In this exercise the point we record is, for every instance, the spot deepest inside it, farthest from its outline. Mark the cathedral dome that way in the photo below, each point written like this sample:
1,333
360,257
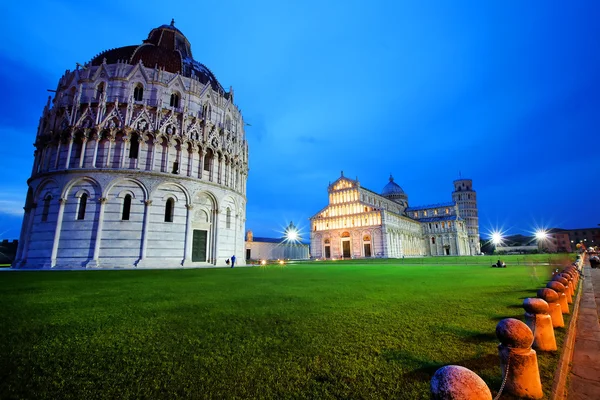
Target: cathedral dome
167,48
391,188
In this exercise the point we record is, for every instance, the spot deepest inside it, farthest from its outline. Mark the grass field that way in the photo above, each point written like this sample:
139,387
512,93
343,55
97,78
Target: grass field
345,329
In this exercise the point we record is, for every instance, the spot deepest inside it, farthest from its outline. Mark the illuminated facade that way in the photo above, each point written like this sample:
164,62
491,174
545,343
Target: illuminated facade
140,161
360,223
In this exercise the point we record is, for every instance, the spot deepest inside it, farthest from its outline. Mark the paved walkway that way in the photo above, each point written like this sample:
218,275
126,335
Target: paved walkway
584,378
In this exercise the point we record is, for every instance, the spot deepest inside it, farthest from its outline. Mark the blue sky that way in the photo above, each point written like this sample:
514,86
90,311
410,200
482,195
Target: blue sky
506,93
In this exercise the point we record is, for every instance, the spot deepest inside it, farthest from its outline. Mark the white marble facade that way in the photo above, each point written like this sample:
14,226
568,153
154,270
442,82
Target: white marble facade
360,223
137,165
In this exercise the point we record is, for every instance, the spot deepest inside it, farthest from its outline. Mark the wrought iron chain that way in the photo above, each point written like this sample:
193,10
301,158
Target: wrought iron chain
505,377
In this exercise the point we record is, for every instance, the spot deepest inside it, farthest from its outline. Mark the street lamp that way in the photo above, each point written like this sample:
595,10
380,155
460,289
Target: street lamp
497,238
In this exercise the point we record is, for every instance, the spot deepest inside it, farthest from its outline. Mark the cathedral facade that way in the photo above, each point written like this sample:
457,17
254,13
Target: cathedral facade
140,161
360,223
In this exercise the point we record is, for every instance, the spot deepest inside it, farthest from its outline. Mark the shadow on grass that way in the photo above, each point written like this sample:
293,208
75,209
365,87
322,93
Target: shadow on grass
518,316
425,371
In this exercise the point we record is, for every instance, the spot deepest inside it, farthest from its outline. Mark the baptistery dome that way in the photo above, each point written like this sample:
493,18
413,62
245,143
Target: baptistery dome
141,160
166,48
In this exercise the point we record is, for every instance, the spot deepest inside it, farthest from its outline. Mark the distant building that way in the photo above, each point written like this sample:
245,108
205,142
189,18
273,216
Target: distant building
261,248
517,244
557,241
361,223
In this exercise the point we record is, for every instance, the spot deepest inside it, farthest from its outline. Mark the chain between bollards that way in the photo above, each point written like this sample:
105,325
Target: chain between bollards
505,378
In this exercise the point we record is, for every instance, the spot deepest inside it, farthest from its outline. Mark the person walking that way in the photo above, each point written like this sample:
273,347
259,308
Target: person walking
232,261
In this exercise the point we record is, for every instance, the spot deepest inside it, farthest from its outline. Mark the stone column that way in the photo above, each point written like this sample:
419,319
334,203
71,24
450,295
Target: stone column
187,258
191,153
82,154
96,257
153,157
125,141
141,143
220,170
202,154
145,225
57,231
215,230
179,159
95,157
168,150
57,154
68,160
111,140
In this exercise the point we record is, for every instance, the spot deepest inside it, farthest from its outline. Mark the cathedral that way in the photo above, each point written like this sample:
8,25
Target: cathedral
360,223
140,161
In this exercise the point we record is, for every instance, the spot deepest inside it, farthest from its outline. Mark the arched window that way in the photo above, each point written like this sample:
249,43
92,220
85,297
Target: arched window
432,240
169,210
46,209
126,208
138,92
174,100
82,204
134,147
443,225
228,220
99,90
208,160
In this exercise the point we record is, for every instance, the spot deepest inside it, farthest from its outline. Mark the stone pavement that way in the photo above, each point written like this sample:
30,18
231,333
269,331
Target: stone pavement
584,378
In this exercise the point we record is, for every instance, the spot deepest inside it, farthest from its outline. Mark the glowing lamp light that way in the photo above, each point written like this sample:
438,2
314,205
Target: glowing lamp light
497,238
263,262
292,235
281,262
541,234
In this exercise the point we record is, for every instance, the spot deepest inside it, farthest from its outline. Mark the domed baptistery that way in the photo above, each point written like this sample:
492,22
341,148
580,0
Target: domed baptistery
140,160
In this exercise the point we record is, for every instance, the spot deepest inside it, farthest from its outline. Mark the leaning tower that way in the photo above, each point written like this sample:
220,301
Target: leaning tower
466,199
141,161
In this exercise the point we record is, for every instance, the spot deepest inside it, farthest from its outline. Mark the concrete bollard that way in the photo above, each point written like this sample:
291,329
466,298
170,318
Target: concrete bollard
454,382
554,308
518,360
565,283
570,282
540,323
573,270
574,274
562,298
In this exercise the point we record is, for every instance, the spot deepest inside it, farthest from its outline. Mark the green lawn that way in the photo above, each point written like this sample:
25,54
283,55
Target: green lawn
345,329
